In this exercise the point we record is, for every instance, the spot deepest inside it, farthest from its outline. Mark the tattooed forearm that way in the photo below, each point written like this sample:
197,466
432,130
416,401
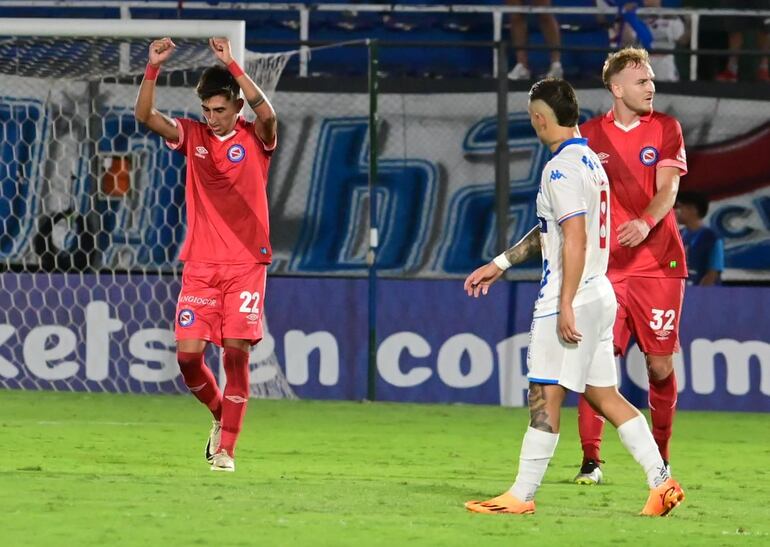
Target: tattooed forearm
538,413
256,102
527,247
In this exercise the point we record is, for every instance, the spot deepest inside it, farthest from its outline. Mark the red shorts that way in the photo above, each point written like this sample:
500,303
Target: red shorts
220,301
649,309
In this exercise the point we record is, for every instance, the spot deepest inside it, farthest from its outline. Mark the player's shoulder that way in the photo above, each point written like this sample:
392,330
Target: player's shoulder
243,123
570,160
592,125
190,121
664,119
191,125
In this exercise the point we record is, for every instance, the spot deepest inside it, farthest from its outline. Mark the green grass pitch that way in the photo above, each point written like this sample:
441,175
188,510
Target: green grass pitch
101,469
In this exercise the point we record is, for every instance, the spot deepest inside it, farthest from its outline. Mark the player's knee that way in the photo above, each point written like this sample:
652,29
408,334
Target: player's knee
660,367
237,343
188,360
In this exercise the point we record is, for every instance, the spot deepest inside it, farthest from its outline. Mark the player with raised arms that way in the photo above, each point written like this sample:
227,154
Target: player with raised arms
571,335
643,154
227,248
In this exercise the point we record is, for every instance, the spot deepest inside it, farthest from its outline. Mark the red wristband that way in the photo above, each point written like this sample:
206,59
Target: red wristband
649,220
151,72
235,69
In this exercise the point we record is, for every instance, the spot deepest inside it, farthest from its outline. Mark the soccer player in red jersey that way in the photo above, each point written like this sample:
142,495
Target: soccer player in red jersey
227,248
643,153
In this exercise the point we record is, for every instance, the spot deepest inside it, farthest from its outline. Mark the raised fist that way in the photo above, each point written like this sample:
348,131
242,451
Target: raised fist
221,48
160,50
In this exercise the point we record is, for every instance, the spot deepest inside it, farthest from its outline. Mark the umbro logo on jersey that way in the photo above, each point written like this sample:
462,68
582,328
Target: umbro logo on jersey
236,153
649,155
556,175
201,152
237,399
603,157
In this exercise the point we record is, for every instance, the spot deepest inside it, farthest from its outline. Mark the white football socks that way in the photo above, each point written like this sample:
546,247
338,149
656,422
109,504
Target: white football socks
636,437
537,449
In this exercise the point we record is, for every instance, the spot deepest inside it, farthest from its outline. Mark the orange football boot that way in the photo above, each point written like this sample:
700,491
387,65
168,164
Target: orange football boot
663,499
504,503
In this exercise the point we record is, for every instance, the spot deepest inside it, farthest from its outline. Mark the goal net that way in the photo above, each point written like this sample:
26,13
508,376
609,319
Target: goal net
92,205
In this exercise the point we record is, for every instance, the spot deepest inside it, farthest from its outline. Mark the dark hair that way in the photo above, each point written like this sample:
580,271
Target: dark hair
560,96
217,80
696,199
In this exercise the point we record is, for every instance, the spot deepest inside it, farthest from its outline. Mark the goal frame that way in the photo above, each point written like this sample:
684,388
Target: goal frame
117,29
235,31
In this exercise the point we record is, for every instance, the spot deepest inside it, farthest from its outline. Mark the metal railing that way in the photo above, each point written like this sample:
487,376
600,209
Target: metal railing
303,11
694,15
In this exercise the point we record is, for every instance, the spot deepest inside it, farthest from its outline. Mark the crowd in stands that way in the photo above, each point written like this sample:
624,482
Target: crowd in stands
540,44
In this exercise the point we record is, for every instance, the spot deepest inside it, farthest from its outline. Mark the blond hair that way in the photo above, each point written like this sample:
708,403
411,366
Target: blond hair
617,61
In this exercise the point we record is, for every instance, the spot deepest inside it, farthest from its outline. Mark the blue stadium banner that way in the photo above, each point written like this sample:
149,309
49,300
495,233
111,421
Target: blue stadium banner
435,344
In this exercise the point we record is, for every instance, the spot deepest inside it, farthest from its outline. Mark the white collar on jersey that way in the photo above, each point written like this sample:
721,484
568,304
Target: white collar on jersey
626,128
223,138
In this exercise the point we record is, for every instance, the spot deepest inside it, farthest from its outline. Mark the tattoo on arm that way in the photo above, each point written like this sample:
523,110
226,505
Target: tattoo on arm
256,102
538,413
527,247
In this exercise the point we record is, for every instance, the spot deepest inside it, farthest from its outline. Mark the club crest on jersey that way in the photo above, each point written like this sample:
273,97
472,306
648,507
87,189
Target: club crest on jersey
186,318
236,153
649,155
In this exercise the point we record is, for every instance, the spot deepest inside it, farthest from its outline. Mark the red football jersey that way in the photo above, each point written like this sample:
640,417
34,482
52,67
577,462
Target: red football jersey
631,157
225,194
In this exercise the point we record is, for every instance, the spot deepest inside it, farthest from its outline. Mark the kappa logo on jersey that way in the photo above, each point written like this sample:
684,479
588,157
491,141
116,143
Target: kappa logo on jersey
604,157
556,175
201,152
186,318
649,155
236,153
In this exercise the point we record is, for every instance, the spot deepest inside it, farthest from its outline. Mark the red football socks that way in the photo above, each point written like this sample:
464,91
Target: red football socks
590,426
236,397
200,381
662,410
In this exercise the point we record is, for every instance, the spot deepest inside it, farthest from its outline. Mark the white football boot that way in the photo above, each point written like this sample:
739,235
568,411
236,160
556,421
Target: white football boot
213,443
590,473
222,461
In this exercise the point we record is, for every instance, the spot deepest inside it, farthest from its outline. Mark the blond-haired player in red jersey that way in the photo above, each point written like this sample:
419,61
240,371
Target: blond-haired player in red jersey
227,247
643,153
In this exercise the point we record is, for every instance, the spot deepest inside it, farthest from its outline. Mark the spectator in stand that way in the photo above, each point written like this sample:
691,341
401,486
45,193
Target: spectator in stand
736,26
704,248
656,32
550,29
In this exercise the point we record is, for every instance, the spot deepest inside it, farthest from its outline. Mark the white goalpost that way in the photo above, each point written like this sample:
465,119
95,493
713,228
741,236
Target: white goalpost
92,204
